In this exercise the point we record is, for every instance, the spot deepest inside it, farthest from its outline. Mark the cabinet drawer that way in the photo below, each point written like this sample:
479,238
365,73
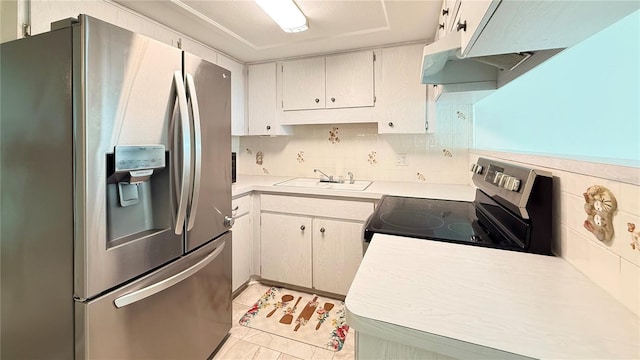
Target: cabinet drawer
332,208
241,206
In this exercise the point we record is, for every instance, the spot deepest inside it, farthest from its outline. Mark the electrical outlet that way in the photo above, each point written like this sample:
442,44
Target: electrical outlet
401,160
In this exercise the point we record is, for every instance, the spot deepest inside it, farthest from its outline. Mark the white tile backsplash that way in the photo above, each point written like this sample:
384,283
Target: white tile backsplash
359,143
612,265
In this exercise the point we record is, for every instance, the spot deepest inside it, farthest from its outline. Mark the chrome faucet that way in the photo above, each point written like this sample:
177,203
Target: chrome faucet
329,177
351,180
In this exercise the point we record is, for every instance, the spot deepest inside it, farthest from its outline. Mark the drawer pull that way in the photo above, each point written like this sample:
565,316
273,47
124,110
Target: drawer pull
302,227
322,230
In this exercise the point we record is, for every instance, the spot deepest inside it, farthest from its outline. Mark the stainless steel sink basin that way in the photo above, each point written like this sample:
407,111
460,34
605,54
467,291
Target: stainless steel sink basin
357,185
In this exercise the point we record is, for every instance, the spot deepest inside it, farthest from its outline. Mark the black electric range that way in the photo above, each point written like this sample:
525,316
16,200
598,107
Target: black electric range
511,211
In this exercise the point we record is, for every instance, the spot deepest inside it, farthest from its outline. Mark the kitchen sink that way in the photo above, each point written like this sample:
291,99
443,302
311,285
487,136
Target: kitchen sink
357,185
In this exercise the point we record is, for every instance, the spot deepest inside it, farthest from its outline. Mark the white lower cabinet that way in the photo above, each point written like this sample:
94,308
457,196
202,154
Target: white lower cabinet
337,252
286,248
312,242
242,238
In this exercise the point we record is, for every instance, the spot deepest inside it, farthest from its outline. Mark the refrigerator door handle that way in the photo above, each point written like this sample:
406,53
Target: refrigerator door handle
191,92
183,195
168,282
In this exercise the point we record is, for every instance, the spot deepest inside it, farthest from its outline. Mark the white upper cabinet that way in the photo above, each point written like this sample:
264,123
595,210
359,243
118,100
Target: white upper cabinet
261,100
303,84
349,79
238,120
401,105
332,82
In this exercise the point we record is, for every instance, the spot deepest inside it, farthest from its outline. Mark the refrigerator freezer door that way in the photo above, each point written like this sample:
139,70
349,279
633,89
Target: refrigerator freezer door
125,94
212,183
36,171
187,319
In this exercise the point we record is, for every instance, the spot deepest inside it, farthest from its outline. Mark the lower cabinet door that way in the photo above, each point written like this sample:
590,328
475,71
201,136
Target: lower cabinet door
337,253
180,311
286,248
242,250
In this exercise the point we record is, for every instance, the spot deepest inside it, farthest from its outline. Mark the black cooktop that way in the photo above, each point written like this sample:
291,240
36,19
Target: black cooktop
433,219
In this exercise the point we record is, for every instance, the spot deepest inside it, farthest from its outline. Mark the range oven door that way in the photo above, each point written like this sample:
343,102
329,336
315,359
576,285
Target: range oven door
181,311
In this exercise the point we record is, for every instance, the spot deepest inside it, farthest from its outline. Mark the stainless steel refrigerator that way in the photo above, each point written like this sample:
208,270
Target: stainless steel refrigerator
115,197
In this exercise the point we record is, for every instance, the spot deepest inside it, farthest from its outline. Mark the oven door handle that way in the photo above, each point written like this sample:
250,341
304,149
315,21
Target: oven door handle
168,282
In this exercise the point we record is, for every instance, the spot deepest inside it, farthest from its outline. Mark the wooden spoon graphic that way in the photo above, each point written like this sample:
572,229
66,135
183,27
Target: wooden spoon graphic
285,299
288,317
327,307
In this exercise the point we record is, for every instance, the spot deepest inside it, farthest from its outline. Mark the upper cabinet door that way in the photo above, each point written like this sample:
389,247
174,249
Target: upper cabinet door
400,108
303,84
349,80
238,123
261,98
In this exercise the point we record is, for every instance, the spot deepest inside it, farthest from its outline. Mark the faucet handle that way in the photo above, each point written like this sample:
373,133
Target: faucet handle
351,180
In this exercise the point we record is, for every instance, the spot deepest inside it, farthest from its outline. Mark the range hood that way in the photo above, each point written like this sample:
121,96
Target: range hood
443,64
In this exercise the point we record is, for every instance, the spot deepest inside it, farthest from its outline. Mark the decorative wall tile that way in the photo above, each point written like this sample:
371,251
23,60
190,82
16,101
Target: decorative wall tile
635,236
447,153
259,157
333,135
372,158
599,205
421,177
265,171
300,156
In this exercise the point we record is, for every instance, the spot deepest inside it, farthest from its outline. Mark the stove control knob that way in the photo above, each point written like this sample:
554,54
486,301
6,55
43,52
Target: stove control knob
497,177
516,185
478,169
473,167
507,181
503,180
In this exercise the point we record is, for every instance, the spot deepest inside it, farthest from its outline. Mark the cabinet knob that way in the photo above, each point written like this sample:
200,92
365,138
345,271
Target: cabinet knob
440,26
333,99
302,227
390,124
317,100
462,26
268,127
322,230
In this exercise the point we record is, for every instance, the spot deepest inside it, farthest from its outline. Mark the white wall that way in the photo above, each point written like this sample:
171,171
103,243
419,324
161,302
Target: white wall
433,158
582,103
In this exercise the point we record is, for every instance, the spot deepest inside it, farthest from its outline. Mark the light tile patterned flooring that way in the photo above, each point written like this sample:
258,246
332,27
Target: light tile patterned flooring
246,343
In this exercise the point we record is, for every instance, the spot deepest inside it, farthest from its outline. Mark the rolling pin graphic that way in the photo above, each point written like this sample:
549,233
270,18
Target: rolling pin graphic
306,313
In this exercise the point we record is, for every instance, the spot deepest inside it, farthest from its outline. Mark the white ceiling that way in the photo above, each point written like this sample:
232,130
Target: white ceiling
241,29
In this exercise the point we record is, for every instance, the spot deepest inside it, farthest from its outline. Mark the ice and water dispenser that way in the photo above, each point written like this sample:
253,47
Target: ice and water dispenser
138,193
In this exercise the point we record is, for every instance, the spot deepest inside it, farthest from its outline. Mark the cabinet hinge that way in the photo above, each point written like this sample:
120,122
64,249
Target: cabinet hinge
26,30
374,99
374,56
282,68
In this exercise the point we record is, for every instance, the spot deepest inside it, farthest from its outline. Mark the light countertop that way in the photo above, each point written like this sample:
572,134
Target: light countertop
474,302
248,183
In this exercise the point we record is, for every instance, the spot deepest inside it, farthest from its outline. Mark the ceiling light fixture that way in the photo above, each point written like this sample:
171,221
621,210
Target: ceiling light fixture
285,13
